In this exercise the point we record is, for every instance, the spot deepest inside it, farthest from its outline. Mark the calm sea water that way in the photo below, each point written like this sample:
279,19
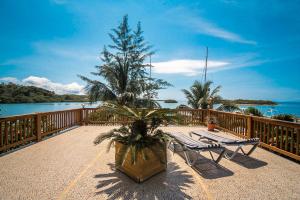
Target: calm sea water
27,108
282,108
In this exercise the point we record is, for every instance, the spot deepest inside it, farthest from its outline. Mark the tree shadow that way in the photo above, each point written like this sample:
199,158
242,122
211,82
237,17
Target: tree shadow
170,184
246,161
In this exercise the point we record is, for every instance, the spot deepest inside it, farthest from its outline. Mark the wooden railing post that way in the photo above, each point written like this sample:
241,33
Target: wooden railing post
81,122
85,113
207,116
249,126
38,127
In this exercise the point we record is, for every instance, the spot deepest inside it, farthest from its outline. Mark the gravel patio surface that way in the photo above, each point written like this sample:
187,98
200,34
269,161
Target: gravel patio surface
69,166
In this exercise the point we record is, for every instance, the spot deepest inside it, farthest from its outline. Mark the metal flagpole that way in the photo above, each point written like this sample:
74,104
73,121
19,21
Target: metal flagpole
205,68
150,71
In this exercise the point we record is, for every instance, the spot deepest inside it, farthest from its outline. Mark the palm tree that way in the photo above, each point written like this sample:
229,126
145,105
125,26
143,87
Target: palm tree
125,78
201,95
142,131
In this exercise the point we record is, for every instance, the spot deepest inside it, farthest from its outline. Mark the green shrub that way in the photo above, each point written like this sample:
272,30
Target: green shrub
284,117
253,111
228,107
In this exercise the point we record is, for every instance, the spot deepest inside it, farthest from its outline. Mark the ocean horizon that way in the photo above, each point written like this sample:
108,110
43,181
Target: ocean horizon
7,110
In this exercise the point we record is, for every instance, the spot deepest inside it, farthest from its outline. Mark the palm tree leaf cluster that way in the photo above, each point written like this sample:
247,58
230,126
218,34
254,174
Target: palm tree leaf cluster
123,70
200,94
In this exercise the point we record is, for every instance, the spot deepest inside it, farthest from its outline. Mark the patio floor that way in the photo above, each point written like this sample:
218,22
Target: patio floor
69,166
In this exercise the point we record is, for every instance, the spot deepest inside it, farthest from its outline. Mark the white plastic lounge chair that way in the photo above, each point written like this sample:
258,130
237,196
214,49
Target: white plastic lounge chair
188,144
239,143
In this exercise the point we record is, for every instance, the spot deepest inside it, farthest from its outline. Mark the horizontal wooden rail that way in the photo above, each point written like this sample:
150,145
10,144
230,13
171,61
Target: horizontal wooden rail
276,135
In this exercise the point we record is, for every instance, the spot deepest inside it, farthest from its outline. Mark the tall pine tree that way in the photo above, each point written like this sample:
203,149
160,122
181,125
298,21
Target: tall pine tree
124,70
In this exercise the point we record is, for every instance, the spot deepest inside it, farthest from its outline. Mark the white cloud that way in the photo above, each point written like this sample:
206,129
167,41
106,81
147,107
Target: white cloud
42,82
208,28
185,66
190,67
201,25
9,80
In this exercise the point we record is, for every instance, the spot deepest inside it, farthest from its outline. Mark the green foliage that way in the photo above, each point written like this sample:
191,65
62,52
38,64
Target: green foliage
200,94
284,117
123,70
13,93
228,107
253,111
141,133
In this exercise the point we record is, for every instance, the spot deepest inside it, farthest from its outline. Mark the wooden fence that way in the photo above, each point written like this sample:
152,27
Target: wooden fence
279,136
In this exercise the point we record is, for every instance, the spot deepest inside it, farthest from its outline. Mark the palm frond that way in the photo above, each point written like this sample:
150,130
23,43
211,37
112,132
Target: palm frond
100,138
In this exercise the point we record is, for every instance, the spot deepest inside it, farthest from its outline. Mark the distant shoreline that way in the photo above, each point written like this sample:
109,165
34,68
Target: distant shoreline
249,102
253,104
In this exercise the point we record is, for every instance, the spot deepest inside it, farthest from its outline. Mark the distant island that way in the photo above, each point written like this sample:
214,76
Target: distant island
13,93
248,102
170,101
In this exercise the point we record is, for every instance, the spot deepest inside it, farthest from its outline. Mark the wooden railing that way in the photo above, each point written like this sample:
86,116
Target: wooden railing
188,116
20,130
279,136
276,135
101,118
236,124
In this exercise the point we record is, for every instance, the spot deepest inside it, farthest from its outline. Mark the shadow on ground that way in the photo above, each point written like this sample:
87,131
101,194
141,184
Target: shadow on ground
206,167
170,184
241,159
247,161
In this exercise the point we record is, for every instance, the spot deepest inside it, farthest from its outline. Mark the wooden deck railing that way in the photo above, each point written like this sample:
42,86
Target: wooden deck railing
19,130
279,136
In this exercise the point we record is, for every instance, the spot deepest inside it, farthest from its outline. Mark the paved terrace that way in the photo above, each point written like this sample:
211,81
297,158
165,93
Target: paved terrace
69,166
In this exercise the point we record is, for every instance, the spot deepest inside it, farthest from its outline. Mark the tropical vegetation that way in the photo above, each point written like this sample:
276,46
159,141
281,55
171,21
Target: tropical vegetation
128,92
201,95
253,111
13,93
284,117
124,77
141,132
228,107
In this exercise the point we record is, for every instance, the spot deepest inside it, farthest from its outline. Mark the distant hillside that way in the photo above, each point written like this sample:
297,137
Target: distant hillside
247,101
12,93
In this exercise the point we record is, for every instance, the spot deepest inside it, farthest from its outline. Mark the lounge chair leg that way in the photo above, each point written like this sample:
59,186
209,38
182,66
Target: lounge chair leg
188,160
219,157
229,157
250,151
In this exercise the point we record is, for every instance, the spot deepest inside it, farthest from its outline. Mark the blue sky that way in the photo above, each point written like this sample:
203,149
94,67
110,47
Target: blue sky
253,45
